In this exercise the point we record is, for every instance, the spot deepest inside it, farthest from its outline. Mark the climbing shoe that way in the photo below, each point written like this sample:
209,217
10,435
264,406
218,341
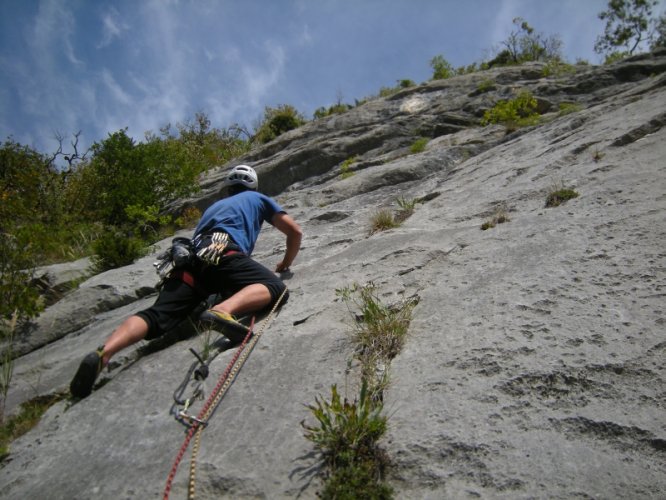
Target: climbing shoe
226,324
89,369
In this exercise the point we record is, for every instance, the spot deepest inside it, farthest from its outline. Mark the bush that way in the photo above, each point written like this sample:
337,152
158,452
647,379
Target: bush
115,249
486,86
442,69
558,69
332,110
277,121
345,167
6,363
18,297
614,57
419,145
189,218
567,108
514,113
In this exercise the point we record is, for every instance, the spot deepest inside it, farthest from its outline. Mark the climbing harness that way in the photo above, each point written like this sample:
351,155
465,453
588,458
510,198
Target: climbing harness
183,254
198,423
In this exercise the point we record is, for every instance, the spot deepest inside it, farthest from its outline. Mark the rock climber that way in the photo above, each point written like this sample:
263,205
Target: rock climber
220,263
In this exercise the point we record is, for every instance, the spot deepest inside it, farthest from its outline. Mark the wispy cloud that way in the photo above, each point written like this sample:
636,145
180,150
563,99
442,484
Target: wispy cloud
52,33
258,79
112,27
117,94
102,66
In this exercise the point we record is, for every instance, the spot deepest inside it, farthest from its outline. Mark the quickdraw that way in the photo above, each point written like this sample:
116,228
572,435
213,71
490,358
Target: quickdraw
198,423
195,382
215,248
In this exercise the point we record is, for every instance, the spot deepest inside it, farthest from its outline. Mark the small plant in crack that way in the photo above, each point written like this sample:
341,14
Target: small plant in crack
597,155
380,330
559,194
347,433
382,220
345,167
419,145
499,217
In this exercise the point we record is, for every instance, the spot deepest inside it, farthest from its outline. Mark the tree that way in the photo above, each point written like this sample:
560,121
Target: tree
208,145
127,181
526,44
629,23
277,121
26,209
441,68
26,181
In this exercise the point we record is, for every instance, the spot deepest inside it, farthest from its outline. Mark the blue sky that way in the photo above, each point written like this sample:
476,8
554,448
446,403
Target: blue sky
99,66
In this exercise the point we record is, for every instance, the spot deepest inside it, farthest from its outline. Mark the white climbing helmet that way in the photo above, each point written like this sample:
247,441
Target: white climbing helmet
242,174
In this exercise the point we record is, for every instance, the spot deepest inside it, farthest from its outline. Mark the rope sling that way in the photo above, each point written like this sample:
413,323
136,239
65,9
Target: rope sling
224,382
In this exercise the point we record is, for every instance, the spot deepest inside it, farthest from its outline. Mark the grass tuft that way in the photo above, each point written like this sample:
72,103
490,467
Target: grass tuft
29,416
419,145
345,167
380,330
385,219
382,220
499,217
597,155
557,197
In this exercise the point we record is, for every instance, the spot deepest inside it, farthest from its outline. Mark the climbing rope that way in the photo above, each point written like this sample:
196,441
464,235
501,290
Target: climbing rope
201,420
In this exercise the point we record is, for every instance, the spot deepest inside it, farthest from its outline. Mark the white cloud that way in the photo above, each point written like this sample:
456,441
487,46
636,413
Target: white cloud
117,92
305,38
52,33
258,79
112,27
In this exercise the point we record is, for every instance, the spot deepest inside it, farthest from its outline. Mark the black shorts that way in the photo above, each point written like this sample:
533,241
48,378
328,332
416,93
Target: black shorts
178,299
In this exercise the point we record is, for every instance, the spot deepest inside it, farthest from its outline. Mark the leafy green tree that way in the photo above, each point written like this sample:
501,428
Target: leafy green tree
442,69
123,174
277,121
17,265
211,146
629,23
28,209
27,184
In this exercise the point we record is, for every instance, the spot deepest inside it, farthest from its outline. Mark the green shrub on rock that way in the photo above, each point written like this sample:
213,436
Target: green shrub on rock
556,198
276,122
514,113
114,249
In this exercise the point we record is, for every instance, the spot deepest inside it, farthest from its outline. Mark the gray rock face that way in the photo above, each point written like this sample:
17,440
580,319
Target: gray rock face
534,365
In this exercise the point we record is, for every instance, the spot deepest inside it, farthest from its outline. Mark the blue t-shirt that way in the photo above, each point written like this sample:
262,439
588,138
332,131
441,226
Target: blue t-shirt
240,216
